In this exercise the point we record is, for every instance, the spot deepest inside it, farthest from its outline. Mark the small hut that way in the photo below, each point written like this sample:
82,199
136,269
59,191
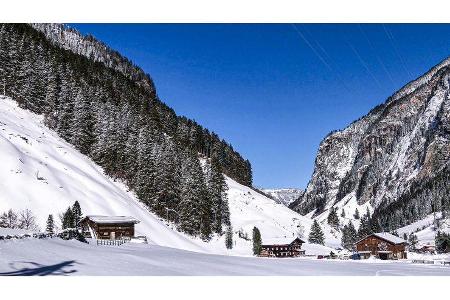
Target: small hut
108,227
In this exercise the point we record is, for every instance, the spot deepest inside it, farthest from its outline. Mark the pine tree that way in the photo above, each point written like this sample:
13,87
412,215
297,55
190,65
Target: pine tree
81,126
375,225
349,236
229,237
333,219
77,214
316,235
50,225
217,190
9,220
356,214
68,219
442,242
413,241
256,241
343,213
194,208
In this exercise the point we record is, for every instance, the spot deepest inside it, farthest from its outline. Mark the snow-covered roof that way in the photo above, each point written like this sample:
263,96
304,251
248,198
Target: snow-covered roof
387,237
112,219
279,241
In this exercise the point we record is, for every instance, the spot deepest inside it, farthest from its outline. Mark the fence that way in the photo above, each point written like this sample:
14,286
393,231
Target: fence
112,242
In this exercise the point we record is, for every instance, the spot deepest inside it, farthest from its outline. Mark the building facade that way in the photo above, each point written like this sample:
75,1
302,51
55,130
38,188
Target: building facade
282,248
382,245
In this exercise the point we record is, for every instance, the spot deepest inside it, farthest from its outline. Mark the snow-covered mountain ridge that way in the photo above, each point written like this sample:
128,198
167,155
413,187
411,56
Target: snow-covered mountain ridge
30,150
394,160
284,196
88,46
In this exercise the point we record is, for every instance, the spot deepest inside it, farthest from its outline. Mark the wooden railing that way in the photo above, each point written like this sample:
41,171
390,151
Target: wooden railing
112,242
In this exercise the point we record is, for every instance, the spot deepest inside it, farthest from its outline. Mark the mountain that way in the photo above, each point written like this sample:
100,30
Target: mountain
46,174
394,161
284,196
107,108
87,46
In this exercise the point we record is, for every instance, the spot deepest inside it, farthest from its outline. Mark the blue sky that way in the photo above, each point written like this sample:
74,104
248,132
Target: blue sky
275,90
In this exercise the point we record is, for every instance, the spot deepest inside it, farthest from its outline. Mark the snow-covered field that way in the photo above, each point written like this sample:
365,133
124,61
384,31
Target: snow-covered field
58,257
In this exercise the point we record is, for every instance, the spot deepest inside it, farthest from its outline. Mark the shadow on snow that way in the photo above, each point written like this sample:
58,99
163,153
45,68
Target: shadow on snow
36,269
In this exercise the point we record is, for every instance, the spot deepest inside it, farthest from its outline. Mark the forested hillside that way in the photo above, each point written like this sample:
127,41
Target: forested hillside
111,113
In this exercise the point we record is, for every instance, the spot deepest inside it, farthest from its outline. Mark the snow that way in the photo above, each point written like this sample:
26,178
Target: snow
278,241
315,249
15,231
58,257
28,148
112,219
389,237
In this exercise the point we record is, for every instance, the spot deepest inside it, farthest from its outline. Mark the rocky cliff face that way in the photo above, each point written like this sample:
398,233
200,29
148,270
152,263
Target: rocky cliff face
396,157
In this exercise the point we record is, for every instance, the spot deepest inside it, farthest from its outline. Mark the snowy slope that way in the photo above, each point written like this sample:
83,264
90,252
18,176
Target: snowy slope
249,208
424,229
29,151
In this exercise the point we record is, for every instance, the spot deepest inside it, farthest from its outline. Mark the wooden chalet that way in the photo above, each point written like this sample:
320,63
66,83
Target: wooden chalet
382,245
108,227
283,247
427,249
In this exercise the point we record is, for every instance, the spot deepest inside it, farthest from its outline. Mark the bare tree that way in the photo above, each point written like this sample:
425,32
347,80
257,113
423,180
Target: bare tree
27,220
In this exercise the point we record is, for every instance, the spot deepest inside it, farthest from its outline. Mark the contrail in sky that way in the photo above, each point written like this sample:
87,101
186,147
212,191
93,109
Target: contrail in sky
361,60
376,55
391,39
320,57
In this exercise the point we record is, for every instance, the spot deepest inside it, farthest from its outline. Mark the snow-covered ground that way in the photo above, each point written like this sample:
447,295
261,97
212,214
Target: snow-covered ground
58,257
29,150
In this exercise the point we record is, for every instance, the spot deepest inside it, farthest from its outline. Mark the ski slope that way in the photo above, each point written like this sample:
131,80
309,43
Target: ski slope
45,174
